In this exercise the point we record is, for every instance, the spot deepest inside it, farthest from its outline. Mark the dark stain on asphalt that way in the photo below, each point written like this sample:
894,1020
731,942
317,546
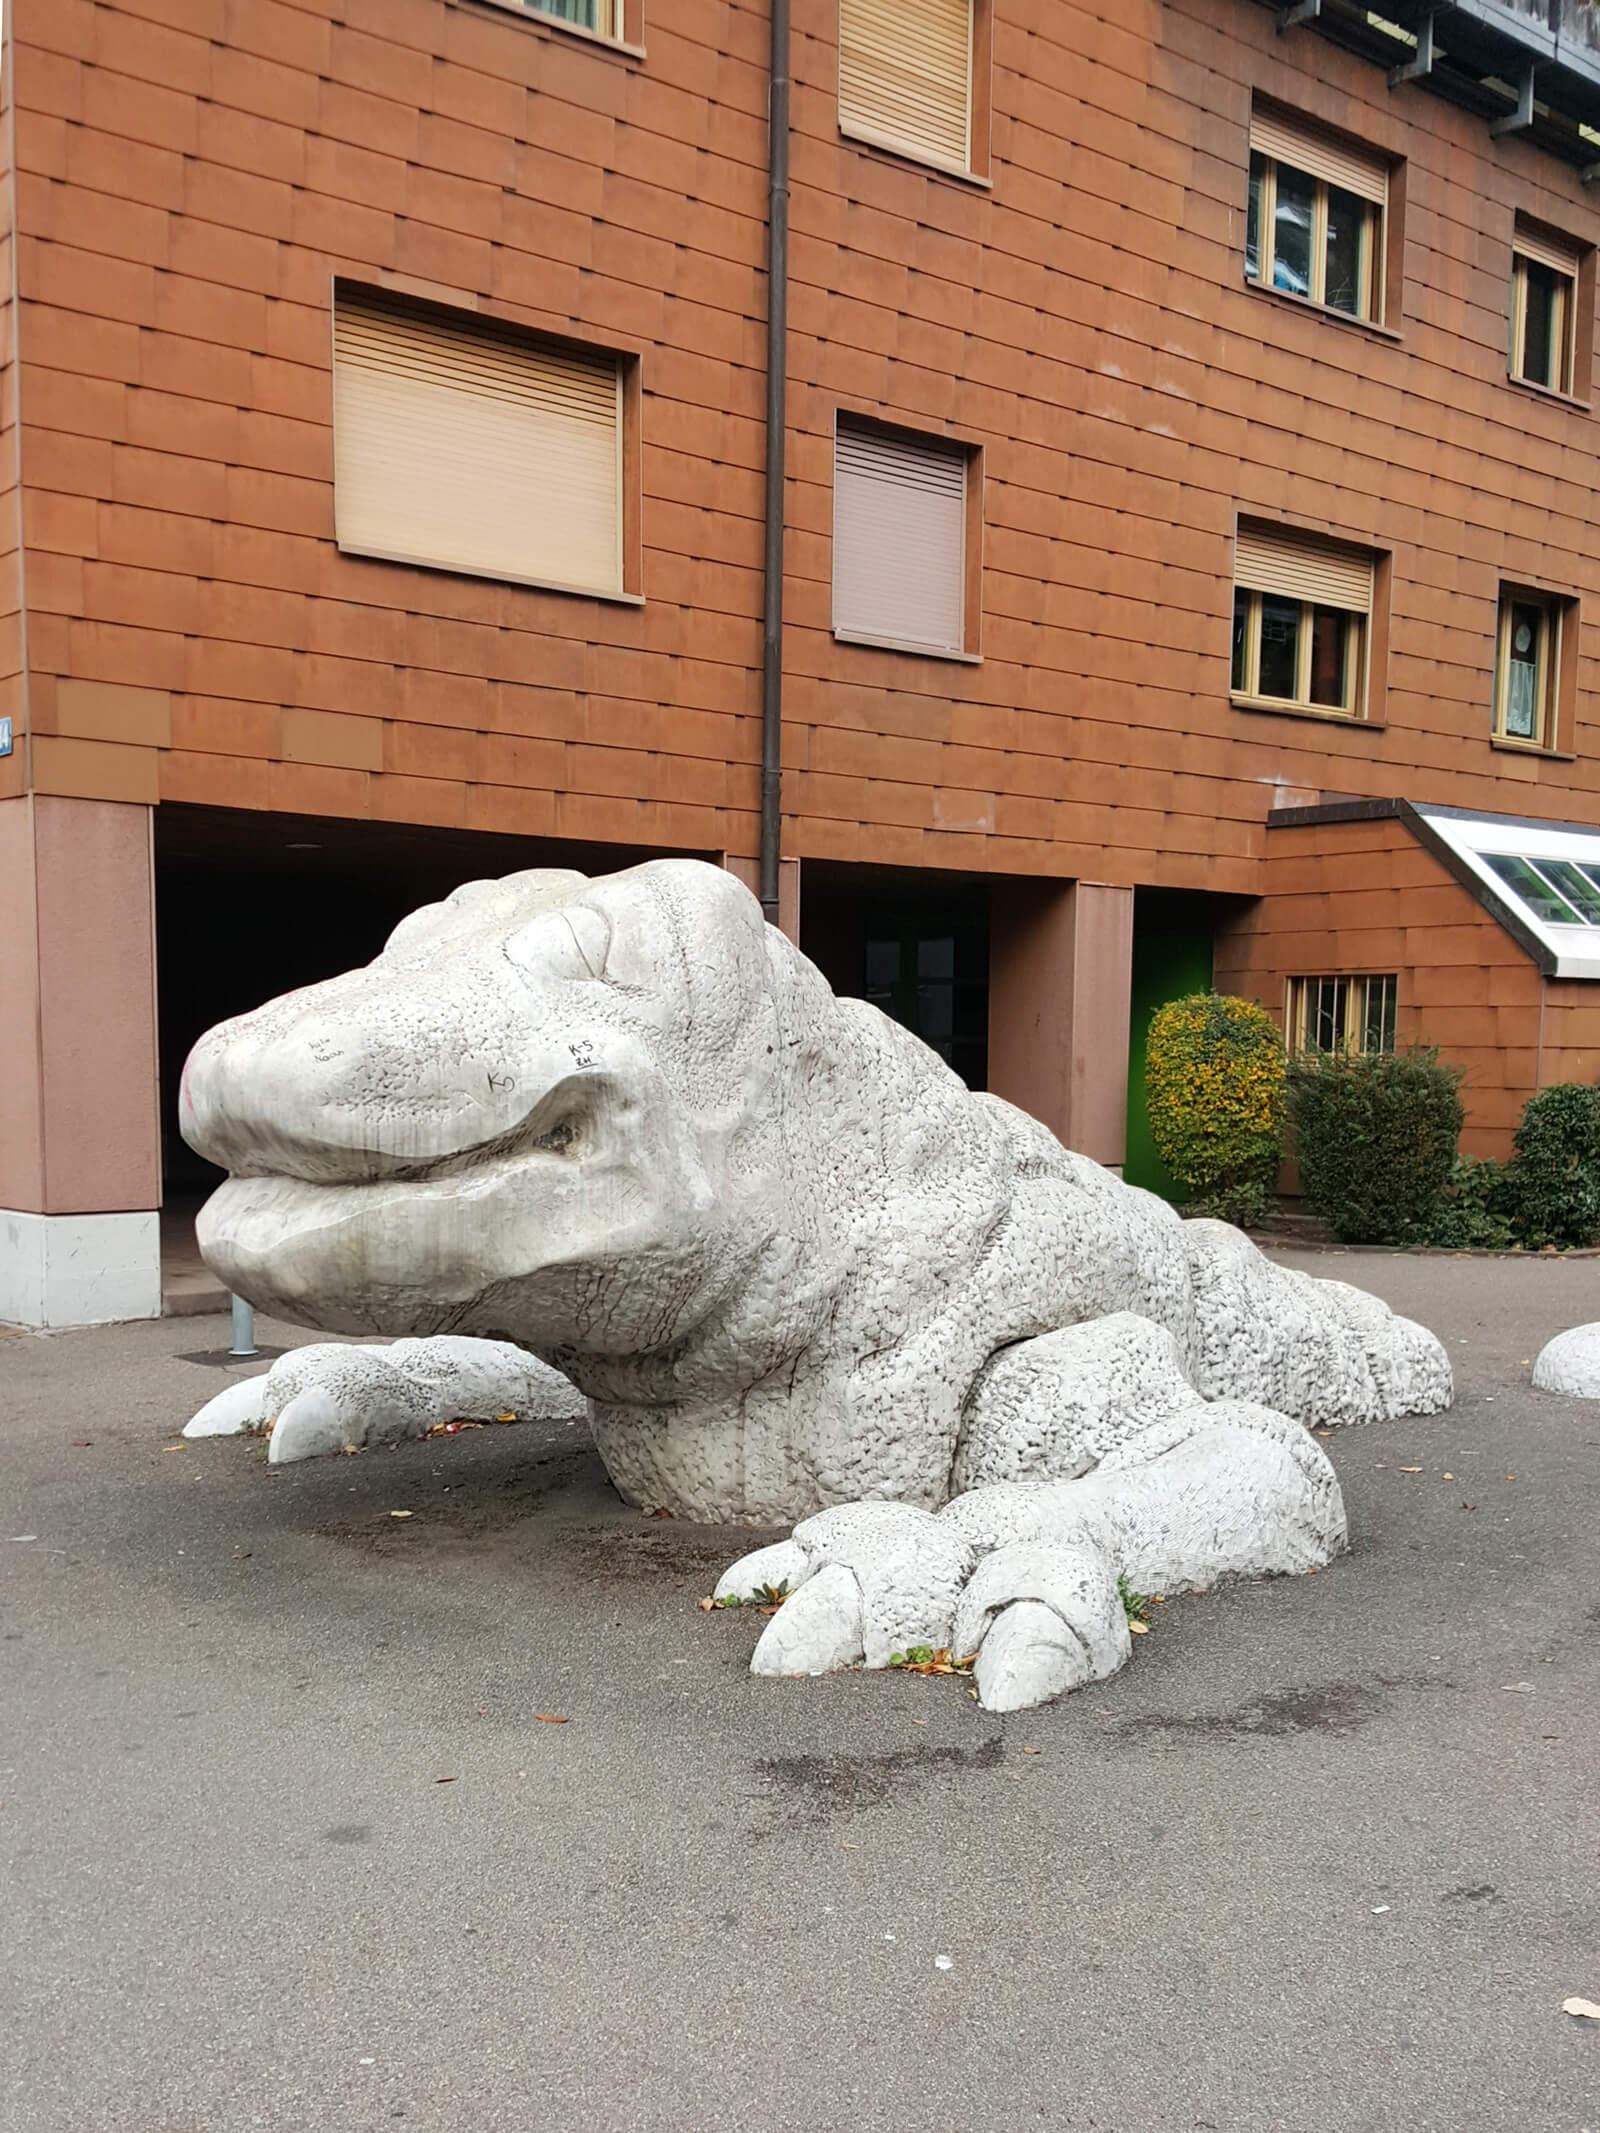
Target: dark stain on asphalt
624,1555
348,1833
1474,1892
1322,1707
812,1790
467,1508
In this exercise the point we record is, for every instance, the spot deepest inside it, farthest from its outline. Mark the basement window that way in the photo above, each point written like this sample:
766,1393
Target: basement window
1342,1014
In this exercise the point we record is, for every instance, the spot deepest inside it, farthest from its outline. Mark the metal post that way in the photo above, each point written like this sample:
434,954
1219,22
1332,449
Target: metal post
244,1328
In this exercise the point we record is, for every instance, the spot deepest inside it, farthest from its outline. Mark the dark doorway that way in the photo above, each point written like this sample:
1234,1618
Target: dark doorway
915,945
250,905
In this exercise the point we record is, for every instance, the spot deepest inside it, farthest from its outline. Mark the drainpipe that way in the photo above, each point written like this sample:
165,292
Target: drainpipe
777,394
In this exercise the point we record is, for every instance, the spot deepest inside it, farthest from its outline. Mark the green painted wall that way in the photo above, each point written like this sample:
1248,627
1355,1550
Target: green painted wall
1172,944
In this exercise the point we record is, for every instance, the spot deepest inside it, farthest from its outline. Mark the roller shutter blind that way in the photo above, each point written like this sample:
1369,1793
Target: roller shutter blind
905,76
1365,176
1546,252
1300,569
899,538
475,450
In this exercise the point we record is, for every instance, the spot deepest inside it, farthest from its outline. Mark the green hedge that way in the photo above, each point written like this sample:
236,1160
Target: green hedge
1375,1135
1553,1181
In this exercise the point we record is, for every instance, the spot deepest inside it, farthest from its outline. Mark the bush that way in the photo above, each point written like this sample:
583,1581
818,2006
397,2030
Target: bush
1214,1078
1553,1180
1375,1134
1475,1209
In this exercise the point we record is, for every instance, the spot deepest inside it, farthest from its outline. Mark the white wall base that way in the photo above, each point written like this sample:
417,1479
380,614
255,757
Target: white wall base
79,1270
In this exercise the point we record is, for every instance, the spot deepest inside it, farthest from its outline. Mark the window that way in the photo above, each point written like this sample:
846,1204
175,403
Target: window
901,549
1544,311
602,18
1315,227
1300,614
469,446
1527,669
1561,892
906,78
1341,1014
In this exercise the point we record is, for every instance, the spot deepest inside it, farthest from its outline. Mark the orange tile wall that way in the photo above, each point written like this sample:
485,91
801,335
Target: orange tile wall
1366,898
193,173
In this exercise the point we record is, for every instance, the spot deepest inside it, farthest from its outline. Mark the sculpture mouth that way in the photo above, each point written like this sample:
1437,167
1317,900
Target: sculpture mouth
562,1129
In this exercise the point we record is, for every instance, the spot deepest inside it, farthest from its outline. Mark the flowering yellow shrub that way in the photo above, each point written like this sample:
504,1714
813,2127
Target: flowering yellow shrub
1214,1089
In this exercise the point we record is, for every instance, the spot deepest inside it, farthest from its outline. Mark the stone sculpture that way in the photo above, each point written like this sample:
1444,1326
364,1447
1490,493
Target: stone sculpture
1570,1363
795,1266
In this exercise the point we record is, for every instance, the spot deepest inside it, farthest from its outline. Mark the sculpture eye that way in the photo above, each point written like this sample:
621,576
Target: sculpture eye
570,943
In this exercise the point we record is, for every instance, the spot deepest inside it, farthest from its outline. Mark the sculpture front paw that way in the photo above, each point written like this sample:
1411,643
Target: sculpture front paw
871,1581
1023,1578
331,1397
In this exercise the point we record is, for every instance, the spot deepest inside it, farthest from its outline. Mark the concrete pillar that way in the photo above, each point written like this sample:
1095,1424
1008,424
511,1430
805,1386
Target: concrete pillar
749,872
80,1141
1060,973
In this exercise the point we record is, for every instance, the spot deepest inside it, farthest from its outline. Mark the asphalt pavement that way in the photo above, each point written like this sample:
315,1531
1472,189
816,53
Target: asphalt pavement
292,1837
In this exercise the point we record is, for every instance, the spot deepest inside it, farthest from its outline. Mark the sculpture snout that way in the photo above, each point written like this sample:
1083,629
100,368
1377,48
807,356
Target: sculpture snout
357,1080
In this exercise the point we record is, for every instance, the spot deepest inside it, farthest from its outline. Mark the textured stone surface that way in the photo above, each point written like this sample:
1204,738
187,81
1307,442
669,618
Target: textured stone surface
1570,1363
328,1395
790,1259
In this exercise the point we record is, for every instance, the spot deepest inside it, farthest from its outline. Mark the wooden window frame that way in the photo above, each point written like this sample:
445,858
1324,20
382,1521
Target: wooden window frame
1573,267
1557,671
1353,1018
1326,161
980,102
1275,561
1356,633
970,652
629,589
1371,270
625,31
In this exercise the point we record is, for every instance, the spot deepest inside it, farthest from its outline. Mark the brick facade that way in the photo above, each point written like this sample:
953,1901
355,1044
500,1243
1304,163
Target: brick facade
192,174
177,626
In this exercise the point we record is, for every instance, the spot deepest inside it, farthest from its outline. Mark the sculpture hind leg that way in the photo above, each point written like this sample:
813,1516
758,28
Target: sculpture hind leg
1025,1576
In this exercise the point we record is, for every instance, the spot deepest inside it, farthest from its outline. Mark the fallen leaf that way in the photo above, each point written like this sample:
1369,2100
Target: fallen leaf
444,1781
1139,1629
1586,2008
1411,1470
401,1514
184,1447
508,1416
661,1514
706,1605
1033,1751
549,1718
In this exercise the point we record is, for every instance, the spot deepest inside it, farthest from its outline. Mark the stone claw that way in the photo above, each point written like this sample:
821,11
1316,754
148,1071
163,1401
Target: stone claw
1042,1620
818,1631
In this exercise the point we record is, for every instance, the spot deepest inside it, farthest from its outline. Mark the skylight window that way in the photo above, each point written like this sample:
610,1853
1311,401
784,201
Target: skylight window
1543,878
1563,892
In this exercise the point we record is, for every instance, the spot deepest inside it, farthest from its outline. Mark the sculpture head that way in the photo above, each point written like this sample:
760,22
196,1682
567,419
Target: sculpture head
543,1104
